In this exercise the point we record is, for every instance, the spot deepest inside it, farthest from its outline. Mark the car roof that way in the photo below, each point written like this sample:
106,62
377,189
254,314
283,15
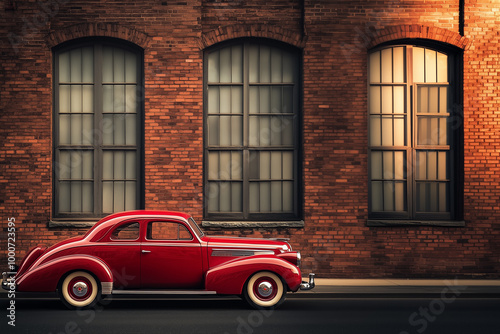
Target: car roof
112,219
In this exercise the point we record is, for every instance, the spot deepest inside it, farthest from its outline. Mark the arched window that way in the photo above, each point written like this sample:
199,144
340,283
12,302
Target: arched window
252,150
414,133
97,128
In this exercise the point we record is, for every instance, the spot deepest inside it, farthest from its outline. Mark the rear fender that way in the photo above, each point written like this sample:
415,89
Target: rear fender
46,277
230,278
30,258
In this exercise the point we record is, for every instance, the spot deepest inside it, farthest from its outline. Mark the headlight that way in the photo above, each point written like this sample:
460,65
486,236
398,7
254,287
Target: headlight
299,258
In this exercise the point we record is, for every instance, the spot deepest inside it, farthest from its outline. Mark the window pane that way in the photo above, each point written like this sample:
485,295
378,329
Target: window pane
265,64
225,65
387,100
276,65
118,98
377,196
287,196
253,63
387,131
213,100
265,196
87,99
375,131
225,131
213,130
225,197
76,99
76,65
376,165
442,67
430,66
224,100
236,197
130,195
443,99
64,99
399,131
130,129
399,64
64,129
131,98
399,100
213,66
387,65
130,67
265,165
418,65
276,196
254,197
276,165
237,64
107,64
375,67
64,67
389,196
118,65
213,197
236,100
287,166
288,68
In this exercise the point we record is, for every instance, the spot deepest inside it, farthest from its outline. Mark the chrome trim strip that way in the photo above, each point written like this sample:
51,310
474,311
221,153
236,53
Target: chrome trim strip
240,252
163,292
106,288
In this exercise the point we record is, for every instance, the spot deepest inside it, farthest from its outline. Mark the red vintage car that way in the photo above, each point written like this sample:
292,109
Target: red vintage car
160,252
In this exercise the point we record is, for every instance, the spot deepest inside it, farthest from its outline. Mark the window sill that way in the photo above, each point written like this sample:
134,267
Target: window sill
385,223
244,224
72,223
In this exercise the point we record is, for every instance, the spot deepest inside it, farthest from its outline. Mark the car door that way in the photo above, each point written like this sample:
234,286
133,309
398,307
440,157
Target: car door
170,257
120,250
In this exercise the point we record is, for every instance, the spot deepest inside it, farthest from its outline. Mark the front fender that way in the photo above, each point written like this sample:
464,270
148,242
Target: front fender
230,278
46,277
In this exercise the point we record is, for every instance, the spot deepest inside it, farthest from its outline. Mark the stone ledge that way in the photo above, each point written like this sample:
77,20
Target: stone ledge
75,223
244,224
402,222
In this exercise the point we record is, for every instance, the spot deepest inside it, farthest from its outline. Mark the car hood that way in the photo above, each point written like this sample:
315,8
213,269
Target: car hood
250,243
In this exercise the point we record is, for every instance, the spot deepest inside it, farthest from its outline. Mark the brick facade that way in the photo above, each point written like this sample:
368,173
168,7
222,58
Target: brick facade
334,37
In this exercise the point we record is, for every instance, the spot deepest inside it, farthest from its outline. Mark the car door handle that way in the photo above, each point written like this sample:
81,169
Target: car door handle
145,251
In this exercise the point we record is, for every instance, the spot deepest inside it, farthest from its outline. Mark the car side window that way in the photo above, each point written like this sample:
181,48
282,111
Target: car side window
168,231
127,231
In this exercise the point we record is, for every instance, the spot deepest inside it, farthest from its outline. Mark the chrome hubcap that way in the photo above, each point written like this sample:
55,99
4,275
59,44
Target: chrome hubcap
80,289
265,289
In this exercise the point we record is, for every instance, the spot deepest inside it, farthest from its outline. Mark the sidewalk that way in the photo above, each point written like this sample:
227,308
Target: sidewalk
390,288
378,287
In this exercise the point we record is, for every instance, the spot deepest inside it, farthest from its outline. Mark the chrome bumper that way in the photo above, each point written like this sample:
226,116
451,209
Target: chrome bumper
308,285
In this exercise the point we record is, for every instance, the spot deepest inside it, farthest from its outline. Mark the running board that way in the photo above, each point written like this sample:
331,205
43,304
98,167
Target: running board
163,292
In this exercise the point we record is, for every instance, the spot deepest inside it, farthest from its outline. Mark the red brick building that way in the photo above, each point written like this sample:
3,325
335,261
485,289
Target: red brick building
365,131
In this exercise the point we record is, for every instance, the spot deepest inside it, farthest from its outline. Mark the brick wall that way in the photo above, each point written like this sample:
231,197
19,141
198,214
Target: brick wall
334,36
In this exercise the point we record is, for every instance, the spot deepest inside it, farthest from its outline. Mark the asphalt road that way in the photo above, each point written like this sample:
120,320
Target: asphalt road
296,315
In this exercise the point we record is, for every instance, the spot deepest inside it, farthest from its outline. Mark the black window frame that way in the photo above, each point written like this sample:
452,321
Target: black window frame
97,147
245,148
456,168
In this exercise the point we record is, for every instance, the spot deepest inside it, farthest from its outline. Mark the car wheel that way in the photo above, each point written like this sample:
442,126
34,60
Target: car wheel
79,290
265,290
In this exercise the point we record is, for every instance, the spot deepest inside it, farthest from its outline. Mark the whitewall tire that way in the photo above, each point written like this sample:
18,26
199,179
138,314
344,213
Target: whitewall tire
264,290
79,290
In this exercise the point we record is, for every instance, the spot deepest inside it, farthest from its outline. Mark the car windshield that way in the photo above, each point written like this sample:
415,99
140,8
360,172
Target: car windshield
196,228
